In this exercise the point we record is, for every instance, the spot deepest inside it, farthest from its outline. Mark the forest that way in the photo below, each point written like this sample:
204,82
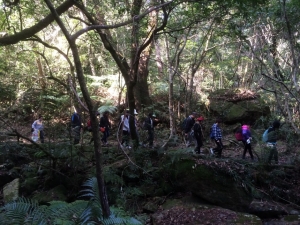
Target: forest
232,60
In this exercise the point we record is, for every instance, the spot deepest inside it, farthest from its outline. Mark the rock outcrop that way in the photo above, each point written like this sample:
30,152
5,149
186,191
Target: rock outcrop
237,105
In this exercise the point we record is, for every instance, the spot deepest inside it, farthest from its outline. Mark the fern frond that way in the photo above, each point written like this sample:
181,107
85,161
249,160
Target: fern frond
18,211
25,211
91,190
119,217
78,212
108,107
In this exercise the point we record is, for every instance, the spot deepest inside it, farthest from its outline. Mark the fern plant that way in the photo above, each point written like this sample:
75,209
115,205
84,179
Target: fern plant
24,211
107,107
117,216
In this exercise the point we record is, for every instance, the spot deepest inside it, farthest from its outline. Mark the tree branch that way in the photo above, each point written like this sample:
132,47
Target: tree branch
29,32
130,21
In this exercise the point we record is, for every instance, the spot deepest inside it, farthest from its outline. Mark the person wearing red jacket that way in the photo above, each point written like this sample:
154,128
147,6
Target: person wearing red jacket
104,127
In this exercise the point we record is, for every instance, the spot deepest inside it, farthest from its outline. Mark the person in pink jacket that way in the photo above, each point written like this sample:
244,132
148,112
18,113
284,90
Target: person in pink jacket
247,140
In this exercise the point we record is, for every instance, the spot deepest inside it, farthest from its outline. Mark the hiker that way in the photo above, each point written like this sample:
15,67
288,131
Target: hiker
246,133
198,134
76,127
188,128
125,129
216,135
149,125
272,136
38,128
104,127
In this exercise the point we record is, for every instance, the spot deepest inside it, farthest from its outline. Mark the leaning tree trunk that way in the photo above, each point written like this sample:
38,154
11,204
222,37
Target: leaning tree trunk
86,96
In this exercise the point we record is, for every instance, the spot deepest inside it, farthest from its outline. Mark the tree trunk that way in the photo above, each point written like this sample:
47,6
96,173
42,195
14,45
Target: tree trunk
141,89
131,104
94,121
130,72
41,73
158,59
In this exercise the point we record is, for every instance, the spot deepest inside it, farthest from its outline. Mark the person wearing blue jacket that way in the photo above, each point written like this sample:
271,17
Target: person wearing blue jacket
216,135
76,127
246,133
273,134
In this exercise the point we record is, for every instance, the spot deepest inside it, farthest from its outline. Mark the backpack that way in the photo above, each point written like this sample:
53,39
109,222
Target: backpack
265,135
145,126
193,131
35,135
183,124
238,135
89,125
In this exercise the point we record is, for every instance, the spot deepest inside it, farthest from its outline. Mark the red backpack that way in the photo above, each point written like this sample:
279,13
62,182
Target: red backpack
238,135
89,123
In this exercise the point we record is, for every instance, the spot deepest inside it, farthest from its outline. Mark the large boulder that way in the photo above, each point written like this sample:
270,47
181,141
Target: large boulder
215,187
237,105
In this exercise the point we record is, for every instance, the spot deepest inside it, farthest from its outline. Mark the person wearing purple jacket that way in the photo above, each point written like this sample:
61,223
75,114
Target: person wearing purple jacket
247,140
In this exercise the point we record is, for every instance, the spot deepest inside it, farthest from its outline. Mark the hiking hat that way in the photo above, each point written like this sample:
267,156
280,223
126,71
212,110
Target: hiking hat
201,118
151,115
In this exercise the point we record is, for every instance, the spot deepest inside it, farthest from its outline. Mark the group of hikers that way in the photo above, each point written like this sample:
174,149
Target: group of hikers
192,130
105,127
148,125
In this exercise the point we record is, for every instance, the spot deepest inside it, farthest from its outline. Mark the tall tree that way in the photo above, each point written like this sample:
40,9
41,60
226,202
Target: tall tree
91,108
137,68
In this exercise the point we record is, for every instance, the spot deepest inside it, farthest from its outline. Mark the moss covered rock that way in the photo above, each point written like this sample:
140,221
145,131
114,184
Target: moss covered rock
237,105
57,193
215,187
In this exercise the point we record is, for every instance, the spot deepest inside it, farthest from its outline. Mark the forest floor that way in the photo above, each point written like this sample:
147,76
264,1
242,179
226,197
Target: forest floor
234,150
180,216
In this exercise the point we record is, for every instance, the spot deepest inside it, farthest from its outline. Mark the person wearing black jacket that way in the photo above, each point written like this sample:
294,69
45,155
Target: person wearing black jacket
76,127
198,134
188,128
150,128
104,127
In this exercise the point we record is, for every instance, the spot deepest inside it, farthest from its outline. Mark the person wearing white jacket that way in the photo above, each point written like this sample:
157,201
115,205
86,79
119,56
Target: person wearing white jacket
38,127
125,129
